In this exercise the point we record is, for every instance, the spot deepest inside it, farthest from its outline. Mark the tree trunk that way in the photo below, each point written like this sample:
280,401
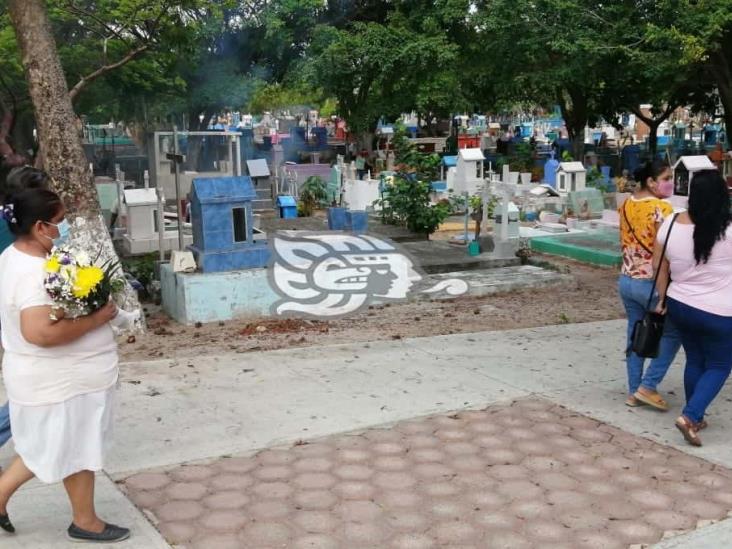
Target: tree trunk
726,98
58,135
653,124
577,139
653,138
722,73
573,105
366,142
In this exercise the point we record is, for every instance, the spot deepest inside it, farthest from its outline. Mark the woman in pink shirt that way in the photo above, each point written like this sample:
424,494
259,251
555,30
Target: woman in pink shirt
695,278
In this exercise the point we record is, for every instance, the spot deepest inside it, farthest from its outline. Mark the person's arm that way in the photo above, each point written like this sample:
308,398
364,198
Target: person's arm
38,328
661,266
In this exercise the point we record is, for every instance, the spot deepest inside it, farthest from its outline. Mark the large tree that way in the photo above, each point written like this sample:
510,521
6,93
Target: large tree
550,52
374,70
650,63
59,133
114,53
704,29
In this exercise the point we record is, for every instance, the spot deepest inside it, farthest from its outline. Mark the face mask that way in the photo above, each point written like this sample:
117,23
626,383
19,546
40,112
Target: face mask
665,188
63,233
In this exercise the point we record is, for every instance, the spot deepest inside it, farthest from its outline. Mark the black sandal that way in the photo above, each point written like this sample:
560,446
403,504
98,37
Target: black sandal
110,534
6,525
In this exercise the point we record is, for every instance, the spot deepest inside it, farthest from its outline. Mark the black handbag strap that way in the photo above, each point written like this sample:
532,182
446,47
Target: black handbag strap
663,255
627,222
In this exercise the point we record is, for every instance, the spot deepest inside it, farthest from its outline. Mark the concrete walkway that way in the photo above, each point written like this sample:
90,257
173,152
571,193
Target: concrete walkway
180,411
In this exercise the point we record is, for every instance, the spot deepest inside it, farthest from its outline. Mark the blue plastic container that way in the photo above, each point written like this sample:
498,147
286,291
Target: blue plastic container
287,207
357,221
337,219
550,172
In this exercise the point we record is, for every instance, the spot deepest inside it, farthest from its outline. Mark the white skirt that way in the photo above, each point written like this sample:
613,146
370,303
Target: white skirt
58,440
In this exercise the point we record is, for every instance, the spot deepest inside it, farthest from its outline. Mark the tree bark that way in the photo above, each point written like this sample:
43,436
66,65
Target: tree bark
58,135
573,105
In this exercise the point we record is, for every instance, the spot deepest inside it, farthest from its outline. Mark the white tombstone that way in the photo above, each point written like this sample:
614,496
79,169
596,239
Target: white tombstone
360,194
468,174
506,238
571,177
684,171
142,223
142,205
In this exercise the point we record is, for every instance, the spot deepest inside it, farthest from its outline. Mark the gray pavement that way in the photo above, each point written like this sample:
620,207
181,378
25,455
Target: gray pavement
175,411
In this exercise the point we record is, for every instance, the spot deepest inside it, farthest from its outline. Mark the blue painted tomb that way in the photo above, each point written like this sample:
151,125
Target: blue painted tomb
224,238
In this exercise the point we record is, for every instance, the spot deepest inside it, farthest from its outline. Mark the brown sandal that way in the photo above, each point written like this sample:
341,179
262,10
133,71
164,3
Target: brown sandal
652,399
633,402
688,429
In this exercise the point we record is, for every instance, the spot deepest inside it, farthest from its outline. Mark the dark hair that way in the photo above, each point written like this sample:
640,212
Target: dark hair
652,169
709,210
24,177
23,210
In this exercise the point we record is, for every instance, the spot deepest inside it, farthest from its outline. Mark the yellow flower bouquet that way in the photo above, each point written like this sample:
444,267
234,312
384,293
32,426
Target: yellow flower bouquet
78,286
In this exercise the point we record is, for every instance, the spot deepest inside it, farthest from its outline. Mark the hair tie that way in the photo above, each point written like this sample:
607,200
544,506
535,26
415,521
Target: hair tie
8,214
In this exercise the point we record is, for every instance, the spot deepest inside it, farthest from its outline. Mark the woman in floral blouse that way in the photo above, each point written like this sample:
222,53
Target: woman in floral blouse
640,218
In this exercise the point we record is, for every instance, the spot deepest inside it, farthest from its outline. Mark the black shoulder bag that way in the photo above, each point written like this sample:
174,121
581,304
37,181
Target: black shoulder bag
648,331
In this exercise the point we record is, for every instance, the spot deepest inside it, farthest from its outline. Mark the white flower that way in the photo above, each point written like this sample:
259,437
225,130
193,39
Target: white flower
83,259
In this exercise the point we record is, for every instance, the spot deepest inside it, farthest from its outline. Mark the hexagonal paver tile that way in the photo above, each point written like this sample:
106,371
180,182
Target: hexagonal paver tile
179,511
192,473
226,500
186,490
529,474
147,481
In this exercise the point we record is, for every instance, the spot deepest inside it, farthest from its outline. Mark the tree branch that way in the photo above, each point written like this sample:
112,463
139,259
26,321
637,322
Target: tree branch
76,10
81,84
650,121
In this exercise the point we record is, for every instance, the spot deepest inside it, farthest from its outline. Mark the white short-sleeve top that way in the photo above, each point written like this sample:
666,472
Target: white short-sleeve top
34,375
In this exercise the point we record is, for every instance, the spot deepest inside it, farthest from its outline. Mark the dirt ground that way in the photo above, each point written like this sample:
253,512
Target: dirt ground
595,298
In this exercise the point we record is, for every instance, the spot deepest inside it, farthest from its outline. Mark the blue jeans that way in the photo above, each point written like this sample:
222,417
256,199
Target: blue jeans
707,340
634,292
4,424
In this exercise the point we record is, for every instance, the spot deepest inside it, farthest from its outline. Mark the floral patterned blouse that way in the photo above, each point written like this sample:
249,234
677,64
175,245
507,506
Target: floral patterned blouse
644,215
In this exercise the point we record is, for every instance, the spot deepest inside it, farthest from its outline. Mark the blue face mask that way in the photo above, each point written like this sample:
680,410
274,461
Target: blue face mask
63,232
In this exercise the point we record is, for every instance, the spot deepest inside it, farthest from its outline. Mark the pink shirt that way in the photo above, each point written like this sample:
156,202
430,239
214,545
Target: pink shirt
707,286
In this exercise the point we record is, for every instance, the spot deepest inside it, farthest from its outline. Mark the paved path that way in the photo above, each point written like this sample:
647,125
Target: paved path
530,474
174,412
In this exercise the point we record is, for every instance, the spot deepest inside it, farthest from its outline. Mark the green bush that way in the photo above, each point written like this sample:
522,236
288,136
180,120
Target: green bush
406,202
312,195
523,160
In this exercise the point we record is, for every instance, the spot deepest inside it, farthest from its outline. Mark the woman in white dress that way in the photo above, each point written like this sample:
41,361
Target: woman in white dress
60,375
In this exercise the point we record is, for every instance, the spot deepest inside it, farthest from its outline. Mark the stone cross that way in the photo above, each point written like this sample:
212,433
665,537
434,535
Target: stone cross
506,191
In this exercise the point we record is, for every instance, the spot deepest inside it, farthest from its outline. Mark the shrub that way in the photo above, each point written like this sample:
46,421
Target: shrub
406,202
312,194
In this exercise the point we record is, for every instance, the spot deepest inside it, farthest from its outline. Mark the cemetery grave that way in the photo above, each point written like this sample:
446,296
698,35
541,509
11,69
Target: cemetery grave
599,247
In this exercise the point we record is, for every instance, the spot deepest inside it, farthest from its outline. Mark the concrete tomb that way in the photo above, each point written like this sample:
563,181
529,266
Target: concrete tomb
142,224
571,177
224,238
467,176
684,171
